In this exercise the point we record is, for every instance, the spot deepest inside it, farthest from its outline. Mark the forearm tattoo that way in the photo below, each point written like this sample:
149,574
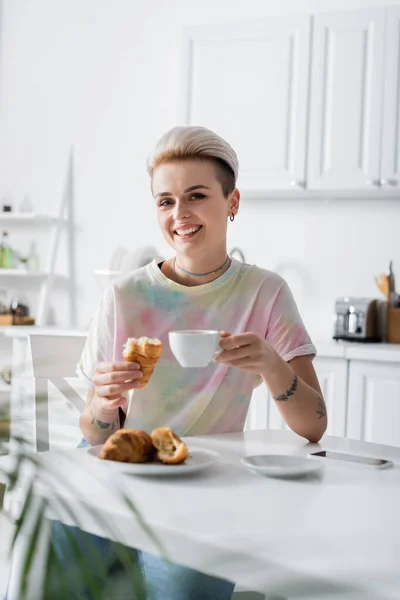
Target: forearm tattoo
290,391
114,424
321,410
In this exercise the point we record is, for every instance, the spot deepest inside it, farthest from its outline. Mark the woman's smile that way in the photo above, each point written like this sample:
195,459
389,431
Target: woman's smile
186,232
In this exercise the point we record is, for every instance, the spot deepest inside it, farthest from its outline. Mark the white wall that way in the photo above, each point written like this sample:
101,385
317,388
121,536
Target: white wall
103,76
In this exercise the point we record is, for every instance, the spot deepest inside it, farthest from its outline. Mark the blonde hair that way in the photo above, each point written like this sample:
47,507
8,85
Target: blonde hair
199,143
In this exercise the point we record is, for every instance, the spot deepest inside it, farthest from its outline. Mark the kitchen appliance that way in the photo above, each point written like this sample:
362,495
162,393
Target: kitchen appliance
357,319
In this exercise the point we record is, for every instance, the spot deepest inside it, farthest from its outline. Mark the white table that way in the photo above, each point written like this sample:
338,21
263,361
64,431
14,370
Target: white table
334,536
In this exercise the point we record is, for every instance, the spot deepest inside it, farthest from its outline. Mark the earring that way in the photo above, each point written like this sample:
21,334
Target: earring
232,217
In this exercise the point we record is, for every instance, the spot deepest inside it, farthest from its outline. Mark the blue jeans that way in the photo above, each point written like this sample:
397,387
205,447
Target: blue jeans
154,577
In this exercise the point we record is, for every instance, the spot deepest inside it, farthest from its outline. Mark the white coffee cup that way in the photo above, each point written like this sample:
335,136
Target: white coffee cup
194,348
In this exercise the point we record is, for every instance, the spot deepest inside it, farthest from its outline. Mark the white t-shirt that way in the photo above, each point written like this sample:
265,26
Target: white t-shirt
214,399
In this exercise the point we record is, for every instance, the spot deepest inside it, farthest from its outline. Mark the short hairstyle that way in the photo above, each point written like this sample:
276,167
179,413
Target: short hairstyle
198,143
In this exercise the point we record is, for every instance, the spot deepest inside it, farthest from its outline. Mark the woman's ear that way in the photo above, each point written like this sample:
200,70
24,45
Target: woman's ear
234,202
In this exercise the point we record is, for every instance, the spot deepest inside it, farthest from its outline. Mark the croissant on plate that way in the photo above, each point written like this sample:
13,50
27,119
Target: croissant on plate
170,448
136,446
128,445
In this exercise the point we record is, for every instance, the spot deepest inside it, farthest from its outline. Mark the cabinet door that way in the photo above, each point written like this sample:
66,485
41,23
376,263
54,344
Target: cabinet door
263,412
390,171
332,376
346,95
257,416
249,83
374,402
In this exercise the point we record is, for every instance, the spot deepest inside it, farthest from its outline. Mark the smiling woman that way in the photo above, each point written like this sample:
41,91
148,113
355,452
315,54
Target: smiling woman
193,177
193,182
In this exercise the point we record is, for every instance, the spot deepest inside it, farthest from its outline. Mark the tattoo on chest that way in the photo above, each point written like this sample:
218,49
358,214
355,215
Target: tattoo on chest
289,392
321,410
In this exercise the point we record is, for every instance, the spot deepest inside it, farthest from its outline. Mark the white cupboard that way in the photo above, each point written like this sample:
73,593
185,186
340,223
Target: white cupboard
346,96
332,376
374,402
362,395
390,169
309,102
249,83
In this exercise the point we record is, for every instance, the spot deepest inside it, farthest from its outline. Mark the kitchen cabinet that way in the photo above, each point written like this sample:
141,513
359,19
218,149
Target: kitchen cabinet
374,402
390,169
332,376
361,387
331,126
249,83
346,100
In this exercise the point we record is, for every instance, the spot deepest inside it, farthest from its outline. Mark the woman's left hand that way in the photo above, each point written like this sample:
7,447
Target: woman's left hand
247,351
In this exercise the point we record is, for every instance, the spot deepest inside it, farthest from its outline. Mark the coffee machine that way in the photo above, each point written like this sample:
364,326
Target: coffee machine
357,319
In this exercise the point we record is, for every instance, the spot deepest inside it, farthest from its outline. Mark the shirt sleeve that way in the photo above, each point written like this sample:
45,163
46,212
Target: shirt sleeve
286,331
99,344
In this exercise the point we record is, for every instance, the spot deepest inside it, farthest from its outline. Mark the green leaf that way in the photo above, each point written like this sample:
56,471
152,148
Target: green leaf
123,553
54,567
32,548
25,510
144,525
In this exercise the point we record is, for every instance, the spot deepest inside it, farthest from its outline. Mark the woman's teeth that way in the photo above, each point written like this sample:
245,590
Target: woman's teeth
188,231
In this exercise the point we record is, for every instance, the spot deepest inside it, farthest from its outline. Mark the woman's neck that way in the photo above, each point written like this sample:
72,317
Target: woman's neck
189,272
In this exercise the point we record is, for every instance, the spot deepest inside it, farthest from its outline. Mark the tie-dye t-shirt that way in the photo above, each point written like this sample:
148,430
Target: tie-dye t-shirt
214,399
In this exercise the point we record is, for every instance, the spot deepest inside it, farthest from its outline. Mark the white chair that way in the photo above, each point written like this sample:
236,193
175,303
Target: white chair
54,359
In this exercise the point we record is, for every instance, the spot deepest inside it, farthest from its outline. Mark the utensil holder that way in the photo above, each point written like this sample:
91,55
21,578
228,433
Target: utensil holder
393,325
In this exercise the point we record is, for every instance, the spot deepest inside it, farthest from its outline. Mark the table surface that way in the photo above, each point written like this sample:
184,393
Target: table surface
20,331
337,533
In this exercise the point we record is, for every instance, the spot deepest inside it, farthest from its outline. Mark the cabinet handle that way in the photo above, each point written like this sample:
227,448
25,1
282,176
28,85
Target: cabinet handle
300,184
374,182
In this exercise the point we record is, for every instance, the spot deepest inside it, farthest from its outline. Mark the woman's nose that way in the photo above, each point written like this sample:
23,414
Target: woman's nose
181,211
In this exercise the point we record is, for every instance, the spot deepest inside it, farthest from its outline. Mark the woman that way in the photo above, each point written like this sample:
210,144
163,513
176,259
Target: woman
193,180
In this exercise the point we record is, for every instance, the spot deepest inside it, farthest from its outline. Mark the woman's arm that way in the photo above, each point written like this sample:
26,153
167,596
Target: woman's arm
294,386
96,425
296,391
111,382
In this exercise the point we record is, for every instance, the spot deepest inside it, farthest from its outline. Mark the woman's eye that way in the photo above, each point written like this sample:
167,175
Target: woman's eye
197,196
165,203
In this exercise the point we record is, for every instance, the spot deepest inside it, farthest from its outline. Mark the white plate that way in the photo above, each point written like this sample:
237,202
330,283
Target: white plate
278,465
197,460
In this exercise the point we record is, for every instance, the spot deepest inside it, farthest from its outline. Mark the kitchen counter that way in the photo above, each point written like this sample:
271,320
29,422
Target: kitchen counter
325,348
358,351
20,331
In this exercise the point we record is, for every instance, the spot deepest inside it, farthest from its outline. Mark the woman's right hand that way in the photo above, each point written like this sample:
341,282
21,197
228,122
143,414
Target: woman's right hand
112,380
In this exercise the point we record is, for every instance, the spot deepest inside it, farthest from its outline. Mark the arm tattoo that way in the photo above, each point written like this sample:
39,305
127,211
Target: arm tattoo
321,410
290,391
102,424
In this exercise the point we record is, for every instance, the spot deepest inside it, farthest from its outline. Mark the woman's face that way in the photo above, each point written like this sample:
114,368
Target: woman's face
191,208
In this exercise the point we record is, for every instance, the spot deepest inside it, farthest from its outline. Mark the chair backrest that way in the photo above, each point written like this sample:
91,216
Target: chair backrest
54,359
55,355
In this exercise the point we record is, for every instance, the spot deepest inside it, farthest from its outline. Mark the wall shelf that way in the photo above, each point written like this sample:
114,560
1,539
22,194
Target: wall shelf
60,224
18,274
14,218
